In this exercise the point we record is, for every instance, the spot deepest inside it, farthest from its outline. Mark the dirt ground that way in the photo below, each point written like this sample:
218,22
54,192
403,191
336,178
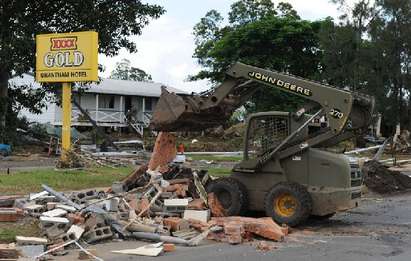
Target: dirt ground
380,229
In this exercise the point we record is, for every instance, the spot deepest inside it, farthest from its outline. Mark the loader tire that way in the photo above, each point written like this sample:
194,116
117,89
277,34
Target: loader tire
288,203
231,193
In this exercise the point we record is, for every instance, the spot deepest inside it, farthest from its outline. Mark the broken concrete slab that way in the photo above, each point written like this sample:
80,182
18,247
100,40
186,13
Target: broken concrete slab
34,196
21,240
176,202
147,250
31,251
66,207
200,215
58,212
59,220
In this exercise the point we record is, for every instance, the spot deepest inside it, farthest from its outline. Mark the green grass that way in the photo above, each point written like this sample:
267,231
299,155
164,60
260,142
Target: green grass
219,172
217,158
30,181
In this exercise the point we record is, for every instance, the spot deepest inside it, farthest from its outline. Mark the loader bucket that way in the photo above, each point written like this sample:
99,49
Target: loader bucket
184,113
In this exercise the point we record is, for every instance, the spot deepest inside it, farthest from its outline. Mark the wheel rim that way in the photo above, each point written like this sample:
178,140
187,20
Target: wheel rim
285,205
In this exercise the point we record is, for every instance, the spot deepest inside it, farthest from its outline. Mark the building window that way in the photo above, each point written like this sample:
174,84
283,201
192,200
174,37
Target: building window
148,105
106,101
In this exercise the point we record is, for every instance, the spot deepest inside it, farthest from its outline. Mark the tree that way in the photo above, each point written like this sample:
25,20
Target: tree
21,20
261,35
124,71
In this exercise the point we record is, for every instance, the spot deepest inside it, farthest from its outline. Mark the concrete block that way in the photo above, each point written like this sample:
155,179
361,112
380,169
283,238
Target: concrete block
76,230
21,240
98,234
59,220
35,209
58,212
117,187
111,205
200,215
54,230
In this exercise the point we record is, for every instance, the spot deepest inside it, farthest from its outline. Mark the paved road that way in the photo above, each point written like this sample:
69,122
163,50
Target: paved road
380,229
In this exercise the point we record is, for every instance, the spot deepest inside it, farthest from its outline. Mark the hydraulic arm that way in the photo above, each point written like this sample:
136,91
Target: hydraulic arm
345,111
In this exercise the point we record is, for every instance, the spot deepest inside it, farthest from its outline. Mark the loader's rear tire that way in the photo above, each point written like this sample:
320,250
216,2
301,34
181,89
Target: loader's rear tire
231,193
288,203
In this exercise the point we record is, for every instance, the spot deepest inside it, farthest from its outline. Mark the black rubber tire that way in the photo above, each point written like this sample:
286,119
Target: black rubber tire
231,193
299,192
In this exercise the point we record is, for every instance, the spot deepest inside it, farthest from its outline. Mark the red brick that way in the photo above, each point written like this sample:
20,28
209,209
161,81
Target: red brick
179,189
197,204
168,247
217,210
76,218
176,223
234,231
10,214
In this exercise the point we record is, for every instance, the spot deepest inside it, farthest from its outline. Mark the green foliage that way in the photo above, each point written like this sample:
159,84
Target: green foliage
124,71
261,35
115,21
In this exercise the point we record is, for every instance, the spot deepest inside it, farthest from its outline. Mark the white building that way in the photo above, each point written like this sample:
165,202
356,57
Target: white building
107,103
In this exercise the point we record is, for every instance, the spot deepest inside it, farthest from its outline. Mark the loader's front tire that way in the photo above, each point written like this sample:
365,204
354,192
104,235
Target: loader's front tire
288,203
231,193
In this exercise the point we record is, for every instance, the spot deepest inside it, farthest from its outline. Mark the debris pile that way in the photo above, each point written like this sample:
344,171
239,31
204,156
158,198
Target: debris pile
380,179
160,202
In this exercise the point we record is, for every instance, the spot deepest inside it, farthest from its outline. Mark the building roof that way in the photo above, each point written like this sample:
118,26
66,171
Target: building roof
122,87
108,86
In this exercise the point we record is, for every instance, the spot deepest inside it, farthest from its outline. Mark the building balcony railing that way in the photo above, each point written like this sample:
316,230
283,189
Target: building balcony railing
106,116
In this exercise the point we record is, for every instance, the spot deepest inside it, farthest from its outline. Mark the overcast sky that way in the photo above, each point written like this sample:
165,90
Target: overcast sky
166,46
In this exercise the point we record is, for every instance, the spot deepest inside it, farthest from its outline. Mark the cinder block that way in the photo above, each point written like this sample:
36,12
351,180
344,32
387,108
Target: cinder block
54,230
200,215
111,205
77,231
35,209
97,234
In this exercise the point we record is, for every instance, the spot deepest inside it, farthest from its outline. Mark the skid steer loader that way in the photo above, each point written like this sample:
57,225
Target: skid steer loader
285,171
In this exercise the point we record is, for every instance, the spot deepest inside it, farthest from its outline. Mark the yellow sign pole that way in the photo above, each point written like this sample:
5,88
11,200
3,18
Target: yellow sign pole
66,129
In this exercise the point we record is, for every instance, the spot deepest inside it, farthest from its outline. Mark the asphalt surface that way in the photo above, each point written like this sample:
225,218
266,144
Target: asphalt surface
380,229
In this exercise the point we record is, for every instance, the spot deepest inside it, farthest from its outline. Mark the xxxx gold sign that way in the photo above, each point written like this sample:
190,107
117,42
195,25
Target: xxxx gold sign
67,57
279,83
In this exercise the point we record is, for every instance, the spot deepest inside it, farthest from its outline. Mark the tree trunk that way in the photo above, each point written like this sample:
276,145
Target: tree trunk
4,82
